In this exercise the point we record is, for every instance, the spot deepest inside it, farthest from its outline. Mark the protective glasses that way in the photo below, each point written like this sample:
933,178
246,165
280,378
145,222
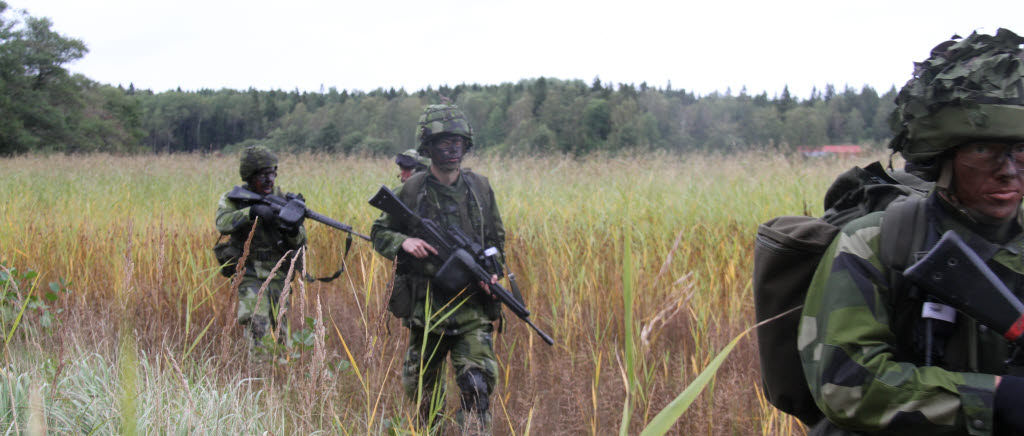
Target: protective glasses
991,156
451,143
266,175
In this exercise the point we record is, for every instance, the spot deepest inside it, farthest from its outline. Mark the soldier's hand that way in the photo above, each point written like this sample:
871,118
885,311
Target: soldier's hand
291,231
487,289
263,211
418,248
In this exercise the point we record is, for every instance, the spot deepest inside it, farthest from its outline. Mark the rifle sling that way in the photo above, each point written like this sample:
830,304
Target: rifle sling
348,244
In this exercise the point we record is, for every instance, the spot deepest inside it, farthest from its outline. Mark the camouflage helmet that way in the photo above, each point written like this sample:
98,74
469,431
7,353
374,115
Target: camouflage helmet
255,158
411,159
442,118
966,90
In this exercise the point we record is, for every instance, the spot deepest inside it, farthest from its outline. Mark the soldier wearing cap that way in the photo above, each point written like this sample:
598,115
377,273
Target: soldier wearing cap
441,325
877,357
271,241
410,162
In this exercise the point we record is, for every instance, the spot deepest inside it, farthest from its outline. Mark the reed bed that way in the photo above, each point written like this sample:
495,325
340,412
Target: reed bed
146,341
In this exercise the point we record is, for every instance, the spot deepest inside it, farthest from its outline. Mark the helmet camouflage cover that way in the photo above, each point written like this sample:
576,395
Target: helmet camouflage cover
411,159
442,118
255,158
966,90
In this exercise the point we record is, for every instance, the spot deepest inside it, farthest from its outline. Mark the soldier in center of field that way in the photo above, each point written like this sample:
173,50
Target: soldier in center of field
271,241
451,196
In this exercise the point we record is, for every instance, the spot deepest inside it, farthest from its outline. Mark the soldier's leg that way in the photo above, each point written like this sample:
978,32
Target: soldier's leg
476,371
423,375
274,304
255,324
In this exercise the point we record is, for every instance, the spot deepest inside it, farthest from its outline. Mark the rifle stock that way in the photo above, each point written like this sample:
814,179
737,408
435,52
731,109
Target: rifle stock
955,274
458,253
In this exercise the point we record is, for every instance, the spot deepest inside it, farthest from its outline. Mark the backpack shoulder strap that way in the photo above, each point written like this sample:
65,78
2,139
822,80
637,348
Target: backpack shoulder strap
480,188
905,216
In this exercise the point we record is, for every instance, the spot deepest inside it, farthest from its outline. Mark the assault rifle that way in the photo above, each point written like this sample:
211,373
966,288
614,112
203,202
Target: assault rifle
461,258
955,274
290,209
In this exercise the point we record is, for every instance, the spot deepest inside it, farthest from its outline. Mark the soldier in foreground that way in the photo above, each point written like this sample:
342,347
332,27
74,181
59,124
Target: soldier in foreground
880,355
272,240
451,196
410,162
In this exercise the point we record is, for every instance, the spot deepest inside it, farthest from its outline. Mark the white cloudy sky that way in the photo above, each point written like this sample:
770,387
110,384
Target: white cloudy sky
702,46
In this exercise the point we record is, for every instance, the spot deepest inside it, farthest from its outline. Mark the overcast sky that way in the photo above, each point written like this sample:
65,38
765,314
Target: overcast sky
701,46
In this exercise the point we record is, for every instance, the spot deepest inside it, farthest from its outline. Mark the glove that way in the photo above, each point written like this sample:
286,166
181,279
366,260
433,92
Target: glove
292,230
264,212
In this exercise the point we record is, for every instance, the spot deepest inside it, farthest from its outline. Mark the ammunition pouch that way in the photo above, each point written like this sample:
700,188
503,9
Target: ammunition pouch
404,291
227,255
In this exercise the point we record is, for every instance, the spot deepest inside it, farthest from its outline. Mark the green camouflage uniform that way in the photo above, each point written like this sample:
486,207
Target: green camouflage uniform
466,332
861,345
268,245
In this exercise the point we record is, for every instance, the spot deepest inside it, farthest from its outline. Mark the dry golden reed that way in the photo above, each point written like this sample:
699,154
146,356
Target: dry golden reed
95,220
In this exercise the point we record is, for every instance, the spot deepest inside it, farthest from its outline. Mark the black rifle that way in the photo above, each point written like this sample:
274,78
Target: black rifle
462,258
289,209
955,274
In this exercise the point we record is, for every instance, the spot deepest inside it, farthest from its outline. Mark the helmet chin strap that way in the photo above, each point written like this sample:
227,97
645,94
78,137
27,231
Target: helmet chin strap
945,180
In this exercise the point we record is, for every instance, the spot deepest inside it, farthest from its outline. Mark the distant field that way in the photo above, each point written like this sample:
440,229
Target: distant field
147,341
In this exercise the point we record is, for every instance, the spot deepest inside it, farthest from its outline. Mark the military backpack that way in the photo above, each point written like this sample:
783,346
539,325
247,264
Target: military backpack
787,251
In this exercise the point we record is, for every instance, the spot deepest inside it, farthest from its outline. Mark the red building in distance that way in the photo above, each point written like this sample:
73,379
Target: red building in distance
829,150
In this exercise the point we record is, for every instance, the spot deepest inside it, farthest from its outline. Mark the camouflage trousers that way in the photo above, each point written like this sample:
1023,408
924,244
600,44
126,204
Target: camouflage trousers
259,316
471,351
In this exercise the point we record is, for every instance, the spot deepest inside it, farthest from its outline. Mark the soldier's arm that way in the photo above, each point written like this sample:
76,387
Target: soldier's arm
229,216
847,349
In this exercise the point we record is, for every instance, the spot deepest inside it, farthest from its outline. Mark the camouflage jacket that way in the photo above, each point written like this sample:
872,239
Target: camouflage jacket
268,244
469,204
860,339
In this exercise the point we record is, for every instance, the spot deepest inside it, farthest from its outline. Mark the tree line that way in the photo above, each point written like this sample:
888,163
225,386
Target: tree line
47,109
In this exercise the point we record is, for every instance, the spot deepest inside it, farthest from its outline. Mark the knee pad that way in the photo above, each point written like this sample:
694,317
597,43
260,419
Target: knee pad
474,390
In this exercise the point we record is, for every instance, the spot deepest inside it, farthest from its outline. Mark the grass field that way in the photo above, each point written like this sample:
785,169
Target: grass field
146,340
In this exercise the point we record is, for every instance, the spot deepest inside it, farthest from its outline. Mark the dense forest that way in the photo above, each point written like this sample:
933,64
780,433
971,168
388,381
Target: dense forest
45,108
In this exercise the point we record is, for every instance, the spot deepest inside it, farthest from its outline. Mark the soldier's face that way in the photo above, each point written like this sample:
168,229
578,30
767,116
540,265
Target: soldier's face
446,152
406,172
987,177
263,181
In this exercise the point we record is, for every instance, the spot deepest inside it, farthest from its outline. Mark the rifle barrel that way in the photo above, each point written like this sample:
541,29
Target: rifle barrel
540,332
333,223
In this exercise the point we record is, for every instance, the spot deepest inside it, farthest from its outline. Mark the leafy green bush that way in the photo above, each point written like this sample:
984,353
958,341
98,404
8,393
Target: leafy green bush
18,297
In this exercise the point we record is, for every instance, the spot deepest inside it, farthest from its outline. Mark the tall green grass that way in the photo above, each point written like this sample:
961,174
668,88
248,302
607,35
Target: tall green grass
638,266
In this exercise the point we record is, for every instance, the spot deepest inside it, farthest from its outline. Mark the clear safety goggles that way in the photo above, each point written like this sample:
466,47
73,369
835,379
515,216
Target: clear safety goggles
991,156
